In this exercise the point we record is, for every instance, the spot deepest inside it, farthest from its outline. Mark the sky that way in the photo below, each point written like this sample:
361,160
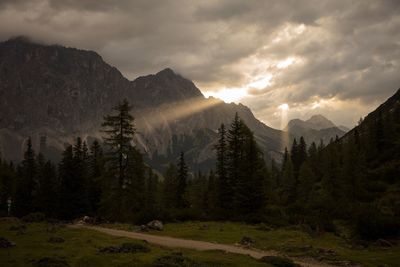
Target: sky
283,59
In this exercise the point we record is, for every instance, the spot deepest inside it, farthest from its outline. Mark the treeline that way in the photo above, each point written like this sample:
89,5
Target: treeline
354,180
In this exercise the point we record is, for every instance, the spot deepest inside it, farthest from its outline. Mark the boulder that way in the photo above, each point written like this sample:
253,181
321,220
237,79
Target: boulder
384,243
5,243
155,225
126,248
86,220
144,228
247,241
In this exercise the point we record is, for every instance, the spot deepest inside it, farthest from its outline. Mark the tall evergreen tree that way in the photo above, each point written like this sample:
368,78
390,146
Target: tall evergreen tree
47,194
182,182
170,187
95,172
26,189
119,132
224,185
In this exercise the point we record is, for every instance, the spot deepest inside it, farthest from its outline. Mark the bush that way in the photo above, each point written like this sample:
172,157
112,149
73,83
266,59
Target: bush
34,217
279,261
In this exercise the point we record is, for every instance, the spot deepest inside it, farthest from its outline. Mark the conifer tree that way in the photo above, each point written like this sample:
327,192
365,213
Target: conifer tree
224,186
119,132
47,193
125,183
95,172
26,189
182,182
170,187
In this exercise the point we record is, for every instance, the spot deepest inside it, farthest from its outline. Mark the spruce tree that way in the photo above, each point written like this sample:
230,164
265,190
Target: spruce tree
26,189
95,172
224,186
170,187
47,195
119,132
182,182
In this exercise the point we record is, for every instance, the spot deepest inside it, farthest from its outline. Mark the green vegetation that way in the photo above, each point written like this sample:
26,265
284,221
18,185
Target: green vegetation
292,241
81,249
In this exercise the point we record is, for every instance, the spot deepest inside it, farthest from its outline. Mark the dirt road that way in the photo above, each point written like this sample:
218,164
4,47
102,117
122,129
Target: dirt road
196,245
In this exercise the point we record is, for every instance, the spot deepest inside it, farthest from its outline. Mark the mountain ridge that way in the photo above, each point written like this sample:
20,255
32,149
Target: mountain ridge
54,94
314,129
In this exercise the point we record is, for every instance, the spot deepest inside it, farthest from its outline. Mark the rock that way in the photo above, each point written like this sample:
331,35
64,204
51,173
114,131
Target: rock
384,243
86,220
51,262
175,259
56,239
5,243
247,241
155,225
126,248
144,228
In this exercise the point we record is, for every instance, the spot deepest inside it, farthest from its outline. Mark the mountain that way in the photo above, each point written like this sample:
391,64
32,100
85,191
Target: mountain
54,94
314,129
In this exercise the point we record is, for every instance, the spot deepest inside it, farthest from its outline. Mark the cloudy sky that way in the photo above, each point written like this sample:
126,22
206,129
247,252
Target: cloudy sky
332,57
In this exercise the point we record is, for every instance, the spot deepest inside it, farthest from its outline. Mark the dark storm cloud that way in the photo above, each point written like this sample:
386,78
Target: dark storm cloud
342,49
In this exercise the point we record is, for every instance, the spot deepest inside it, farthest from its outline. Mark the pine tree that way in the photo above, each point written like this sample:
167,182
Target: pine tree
250,190
224,186
288,182
95,172
170,187
26,189
182,182
212,193
68,185
47,195
119,130
121,156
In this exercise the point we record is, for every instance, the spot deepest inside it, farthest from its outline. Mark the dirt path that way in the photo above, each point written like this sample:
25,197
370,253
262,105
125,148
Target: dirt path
196,245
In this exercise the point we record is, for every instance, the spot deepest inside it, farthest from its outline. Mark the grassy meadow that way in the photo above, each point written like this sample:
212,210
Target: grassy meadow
291,241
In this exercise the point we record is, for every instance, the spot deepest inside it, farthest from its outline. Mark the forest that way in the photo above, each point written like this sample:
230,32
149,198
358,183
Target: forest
353,180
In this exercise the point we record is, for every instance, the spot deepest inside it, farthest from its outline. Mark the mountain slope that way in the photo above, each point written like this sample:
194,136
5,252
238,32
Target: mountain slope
314,129
54,94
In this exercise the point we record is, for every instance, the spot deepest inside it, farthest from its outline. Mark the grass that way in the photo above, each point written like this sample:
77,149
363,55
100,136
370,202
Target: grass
290,241
81,246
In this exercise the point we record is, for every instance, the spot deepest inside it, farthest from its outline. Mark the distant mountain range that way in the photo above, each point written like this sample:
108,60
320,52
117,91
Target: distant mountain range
315,129
54,94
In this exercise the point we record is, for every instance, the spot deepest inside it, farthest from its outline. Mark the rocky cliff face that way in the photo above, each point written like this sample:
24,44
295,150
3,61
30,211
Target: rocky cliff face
314,129
55,94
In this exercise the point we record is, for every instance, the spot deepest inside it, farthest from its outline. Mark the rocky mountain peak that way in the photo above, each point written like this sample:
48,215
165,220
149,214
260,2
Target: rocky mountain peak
319,122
